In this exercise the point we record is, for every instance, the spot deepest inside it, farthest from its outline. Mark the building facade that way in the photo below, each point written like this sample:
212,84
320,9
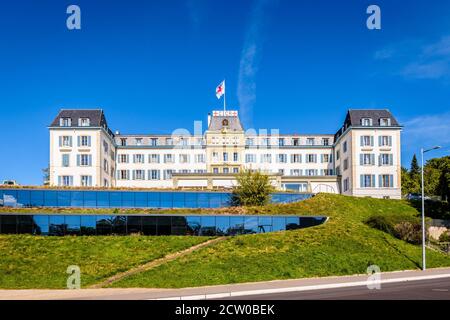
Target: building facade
361,159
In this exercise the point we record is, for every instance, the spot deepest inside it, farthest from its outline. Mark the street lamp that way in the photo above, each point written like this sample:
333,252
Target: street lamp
422,151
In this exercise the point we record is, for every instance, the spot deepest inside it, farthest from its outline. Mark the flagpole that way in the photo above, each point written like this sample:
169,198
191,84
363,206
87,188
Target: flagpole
224,95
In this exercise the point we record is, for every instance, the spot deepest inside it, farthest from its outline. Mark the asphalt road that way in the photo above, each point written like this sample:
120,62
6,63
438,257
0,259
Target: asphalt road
436,289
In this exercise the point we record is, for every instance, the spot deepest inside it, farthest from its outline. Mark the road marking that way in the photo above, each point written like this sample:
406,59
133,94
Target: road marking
302,288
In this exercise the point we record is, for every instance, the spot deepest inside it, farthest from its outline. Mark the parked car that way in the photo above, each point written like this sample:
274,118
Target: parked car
416,196
10,183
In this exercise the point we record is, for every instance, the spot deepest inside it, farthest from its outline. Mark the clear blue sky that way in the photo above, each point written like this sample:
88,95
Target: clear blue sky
153,67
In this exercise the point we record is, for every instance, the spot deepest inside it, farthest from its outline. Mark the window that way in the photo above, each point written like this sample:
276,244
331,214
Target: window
84,141
105,165
65,141
310,141
326,141
123,141
366,141
311,172
367,180
281,142
83,122
225,123
345,164
266,158
200,158
265,141
153,174
338,170
385,141
138,175
366,122
311,158
167,174
154,142
138,158
123,174
281,171
123,158
367,159
250,158
346,184
326,172
250,142
281,158
153,158
65,181
386,159
65,122
325,158
184,158
235,170
386,180
168,158
225,156
138,141
295,142
296,158
86,181
215,170
226,170
65,160
338,154
235,156
296,172
169,141
105,146
215,156
344,147
84,160
385,122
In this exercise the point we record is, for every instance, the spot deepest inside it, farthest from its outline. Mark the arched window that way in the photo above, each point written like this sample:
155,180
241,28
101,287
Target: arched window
225,123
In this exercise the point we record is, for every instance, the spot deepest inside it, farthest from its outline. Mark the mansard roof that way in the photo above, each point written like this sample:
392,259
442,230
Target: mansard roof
226,119
96,117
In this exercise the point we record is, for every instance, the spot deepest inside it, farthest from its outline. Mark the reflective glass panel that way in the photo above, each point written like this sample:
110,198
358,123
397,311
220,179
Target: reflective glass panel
222,225
119,225
292,223
149,226
9,224
57,226
164,226
203,200
115,199
104,225
250,225
64,198
153,200
134,224
51,198
102,199
178,200
264,224
193,225
41,226
128,199
279,223
140,199
208,226
36,198
88,225
166,199
191,200
73,225
236,225
23,198
179,225
77,199
25,224
90,199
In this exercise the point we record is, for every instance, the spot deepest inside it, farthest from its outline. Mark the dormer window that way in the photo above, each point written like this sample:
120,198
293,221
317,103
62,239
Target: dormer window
224,123
83,122
366,122
65,122
123,141
138,141
385,122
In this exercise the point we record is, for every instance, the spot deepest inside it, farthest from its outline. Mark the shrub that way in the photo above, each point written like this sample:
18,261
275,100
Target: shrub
253,189
406,228
444,237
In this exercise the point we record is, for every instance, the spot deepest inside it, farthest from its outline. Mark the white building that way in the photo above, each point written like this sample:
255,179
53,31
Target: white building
361,159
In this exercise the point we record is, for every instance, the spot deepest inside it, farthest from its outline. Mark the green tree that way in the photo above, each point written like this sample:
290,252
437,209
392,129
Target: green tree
414,171
253,189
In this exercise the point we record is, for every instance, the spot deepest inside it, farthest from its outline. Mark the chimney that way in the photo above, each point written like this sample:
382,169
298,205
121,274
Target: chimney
209,118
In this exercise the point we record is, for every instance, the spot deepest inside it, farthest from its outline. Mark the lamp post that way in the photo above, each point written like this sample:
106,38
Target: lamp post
422,151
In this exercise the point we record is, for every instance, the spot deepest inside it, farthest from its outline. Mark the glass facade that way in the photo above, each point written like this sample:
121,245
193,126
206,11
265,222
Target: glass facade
205,225
126,199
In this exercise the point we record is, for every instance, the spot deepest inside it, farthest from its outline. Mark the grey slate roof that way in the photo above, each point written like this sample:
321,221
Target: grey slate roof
354,117
234,124
96,117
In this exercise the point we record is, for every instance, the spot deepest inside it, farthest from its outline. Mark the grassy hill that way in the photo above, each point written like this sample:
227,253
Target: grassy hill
344,245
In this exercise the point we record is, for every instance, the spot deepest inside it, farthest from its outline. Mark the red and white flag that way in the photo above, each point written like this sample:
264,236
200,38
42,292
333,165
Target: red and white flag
220,90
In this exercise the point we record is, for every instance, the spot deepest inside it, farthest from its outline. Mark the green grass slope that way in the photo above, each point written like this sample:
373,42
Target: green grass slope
344,245
41,262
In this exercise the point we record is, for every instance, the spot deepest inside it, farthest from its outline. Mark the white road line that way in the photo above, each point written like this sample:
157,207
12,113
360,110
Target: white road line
302,288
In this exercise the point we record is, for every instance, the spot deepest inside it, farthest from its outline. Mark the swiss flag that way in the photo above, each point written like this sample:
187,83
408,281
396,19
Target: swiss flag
220,90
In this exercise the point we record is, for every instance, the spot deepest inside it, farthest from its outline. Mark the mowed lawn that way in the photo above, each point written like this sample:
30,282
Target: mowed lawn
41,262
345,245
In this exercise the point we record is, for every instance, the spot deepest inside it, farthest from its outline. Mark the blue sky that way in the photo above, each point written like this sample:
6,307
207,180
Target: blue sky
153,67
